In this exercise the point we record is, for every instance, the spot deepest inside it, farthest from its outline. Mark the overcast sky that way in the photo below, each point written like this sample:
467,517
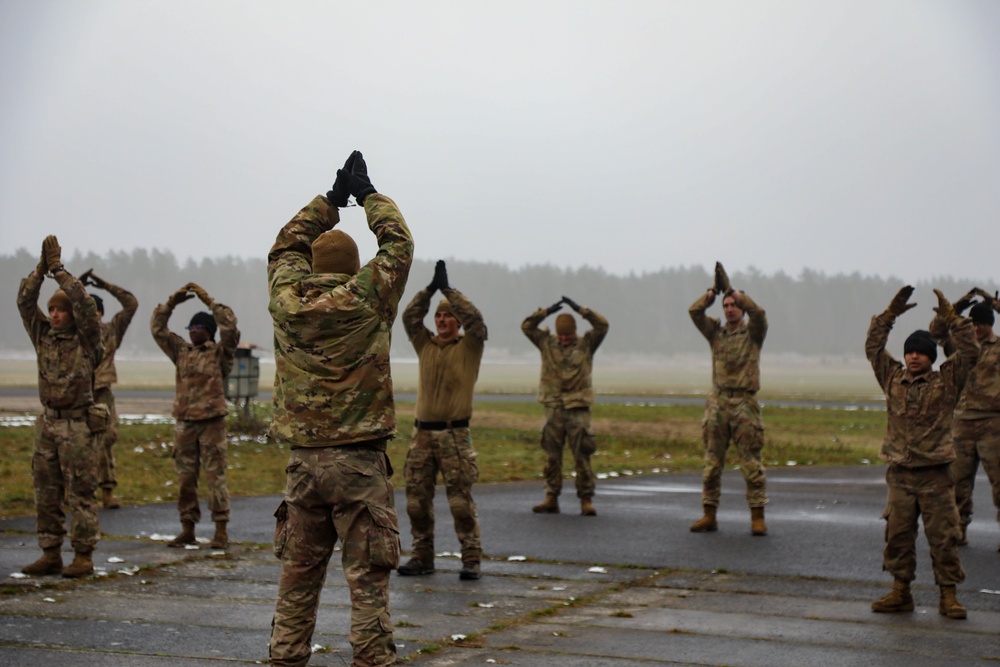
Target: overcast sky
834,136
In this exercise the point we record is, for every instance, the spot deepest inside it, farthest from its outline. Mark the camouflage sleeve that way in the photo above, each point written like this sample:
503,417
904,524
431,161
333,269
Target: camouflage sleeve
708,326
35,322
530,327
757,319
384,277
468,314
229,335
88,320
168,341
290,257
121,320
958,366
413,319
600,328
883,363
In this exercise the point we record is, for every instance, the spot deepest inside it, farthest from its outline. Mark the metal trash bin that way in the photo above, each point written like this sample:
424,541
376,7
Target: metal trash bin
243,381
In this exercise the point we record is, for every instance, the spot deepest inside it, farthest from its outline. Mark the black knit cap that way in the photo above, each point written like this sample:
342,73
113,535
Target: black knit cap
923,342
982,313
206,320
99,301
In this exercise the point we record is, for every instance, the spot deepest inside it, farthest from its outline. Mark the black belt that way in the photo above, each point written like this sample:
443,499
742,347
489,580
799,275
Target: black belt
441,426
75,413
737,392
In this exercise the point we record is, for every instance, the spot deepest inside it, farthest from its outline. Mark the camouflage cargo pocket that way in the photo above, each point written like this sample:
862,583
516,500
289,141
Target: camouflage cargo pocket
280,529
98,418
383,537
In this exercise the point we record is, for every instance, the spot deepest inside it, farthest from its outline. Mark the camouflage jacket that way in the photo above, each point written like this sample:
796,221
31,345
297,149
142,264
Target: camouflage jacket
112,333
201,370
735,352
67,356
448,370
981,397
920,408
566,370
332,381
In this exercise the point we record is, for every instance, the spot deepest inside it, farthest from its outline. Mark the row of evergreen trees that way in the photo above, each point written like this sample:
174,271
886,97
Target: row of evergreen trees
811,314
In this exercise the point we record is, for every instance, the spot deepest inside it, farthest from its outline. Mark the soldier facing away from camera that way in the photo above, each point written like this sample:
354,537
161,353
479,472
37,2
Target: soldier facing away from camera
732,412
449,366
919,449
105,375
567,392
334,407
199,407
64,462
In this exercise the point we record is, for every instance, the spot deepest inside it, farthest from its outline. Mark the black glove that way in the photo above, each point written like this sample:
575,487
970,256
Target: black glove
554,307
440,280
341,190
357,179
899,304
572,304
962,304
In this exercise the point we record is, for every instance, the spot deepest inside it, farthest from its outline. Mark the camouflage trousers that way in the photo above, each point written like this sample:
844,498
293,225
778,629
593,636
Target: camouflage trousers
568,425
976,441
737,419
336,491
64,469
201,444
449,451
106,477
926,493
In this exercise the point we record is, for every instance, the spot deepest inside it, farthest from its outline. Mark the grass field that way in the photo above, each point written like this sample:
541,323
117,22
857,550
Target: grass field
632,440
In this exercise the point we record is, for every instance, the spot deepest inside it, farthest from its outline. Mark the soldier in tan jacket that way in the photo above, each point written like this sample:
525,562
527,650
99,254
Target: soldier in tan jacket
732,412
919,449
105,375
567,392
449,366
199,407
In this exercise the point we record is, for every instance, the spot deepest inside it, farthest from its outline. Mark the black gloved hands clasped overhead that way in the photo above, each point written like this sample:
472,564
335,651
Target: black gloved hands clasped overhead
341,190
440,280
557,306
355,178
572,304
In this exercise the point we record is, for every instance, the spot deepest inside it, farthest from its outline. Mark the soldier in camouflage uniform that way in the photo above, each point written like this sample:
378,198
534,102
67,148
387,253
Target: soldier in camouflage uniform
334,408
199,408
732,412
449,366
105,375
567,393
64,463
976,426
918,448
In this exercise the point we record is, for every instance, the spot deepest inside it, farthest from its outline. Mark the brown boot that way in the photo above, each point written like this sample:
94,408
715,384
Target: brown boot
221,539
949,605
707,523
81,566
898,599
548,506
49,563
587,507
110,502
757,525
186,536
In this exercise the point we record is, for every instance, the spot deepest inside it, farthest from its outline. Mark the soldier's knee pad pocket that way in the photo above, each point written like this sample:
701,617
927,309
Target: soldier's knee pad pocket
280,529
383,537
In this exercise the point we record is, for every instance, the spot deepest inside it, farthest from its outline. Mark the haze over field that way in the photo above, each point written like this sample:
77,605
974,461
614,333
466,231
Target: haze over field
631,136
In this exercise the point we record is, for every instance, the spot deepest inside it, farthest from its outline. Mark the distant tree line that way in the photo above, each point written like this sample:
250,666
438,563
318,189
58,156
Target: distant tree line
810,314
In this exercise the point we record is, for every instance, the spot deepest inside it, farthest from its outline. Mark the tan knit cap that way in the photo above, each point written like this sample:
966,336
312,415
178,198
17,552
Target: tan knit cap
61,300
565,324
445,306
335,252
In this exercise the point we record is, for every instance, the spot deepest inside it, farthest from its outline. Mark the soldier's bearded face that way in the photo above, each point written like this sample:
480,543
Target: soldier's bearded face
917,363
447,325
59,317
733,313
